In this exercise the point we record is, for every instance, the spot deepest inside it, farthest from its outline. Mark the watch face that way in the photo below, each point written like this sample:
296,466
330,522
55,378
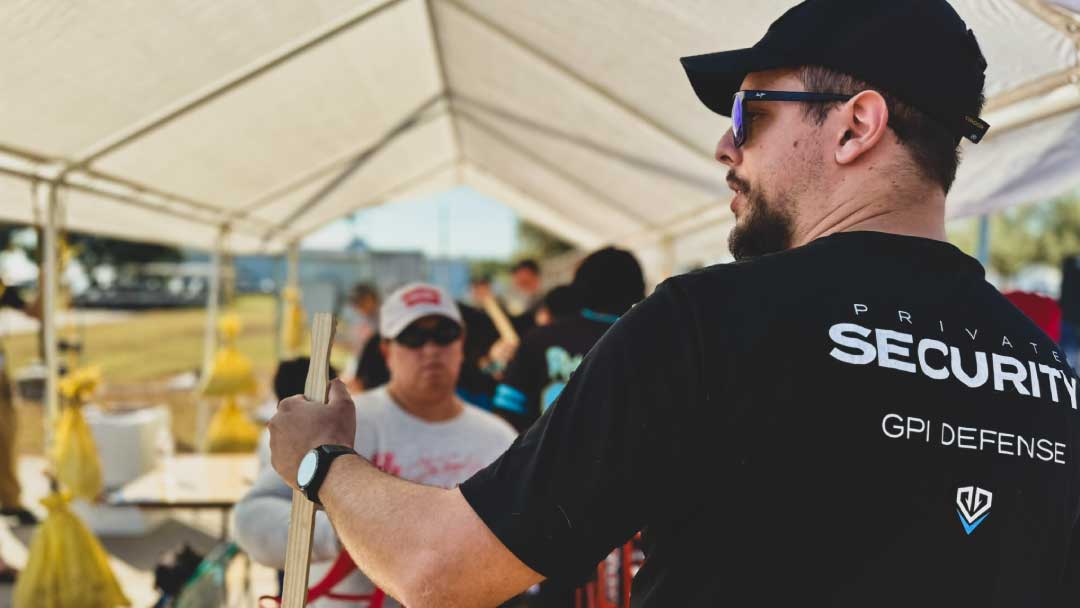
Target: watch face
307,468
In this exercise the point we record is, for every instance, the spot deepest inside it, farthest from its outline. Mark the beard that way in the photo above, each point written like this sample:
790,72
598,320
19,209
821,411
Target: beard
767,227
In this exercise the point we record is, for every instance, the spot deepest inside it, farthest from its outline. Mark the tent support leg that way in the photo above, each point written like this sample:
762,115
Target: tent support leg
984,241
292,281
213,312
668,248
48,199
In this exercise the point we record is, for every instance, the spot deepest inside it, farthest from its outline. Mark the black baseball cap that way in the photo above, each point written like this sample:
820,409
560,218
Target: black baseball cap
920,51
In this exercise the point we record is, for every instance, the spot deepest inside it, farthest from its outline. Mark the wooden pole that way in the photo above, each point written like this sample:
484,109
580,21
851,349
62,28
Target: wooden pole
499,318
302,520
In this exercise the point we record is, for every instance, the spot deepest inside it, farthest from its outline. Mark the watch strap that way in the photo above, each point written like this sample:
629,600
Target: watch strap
327,454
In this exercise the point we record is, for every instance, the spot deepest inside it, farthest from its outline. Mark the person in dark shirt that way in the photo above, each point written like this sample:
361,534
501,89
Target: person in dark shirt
606,284
371,370
476,384
559,303
848,415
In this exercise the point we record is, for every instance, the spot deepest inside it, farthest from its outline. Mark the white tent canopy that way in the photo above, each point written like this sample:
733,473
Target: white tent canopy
243,126
250,124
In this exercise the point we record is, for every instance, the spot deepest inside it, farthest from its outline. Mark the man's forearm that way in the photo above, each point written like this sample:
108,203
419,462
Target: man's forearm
422,545
381,520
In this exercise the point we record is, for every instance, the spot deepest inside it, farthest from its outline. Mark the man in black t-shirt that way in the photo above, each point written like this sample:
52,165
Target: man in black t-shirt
607,283
849,415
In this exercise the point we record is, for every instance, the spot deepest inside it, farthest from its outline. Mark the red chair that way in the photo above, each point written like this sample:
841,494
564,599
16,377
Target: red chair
343,566
614,576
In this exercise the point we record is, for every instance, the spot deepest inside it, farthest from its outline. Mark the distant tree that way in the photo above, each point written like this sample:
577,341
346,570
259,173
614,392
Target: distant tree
487,269
535,242
1043,233
93,251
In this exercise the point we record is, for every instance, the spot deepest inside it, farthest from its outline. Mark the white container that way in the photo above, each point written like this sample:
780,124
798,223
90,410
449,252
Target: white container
107,521
129,442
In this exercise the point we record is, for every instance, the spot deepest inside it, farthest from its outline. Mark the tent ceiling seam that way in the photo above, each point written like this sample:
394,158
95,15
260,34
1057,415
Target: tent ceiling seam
272,196
671,173
575,76
1054,17
360,160
598,194
134,201
140,187
1031,89
1064,24
440,58
115,180
375,200
260,67
29,155
525,193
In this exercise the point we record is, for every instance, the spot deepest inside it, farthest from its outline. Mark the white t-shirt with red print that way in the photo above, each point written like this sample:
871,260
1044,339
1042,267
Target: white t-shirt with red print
441,454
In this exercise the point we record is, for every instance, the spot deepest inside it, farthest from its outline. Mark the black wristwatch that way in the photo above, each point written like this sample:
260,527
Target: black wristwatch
314,466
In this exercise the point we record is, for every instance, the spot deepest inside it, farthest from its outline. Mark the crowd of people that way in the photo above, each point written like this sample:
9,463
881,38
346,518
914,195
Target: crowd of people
440,393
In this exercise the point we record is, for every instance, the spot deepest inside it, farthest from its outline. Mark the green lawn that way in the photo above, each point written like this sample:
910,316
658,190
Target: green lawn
155,344
138,355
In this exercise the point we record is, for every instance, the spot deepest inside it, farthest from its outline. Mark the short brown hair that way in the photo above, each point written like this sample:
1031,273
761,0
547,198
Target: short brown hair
934,149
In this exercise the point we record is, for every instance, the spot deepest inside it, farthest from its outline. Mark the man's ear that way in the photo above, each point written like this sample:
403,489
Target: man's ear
384,348
866,117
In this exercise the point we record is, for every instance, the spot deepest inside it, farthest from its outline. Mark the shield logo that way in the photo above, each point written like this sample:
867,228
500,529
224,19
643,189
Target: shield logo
973,506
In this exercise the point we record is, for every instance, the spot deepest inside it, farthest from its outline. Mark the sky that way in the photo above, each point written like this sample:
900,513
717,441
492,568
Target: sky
457,223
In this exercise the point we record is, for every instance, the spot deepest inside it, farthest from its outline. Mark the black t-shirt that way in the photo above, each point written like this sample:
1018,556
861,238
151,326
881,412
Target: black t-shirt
474,385
371,369
851,423
543,365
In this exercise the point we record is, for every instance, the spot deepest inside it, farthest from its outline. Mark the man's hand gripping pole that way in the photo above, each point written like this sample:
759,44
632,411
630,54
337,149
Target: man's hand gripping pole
302,519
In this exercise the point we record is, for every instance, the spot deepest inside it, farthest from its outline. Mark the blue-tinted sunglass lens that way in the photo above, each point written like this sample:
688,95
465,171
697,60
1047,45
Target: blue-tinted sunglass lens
738,130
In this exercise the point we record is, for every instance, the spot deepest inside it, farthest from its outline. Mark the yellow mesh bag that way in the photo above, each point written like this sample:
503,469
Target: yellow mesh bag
74,454
230,429
293,330
67,567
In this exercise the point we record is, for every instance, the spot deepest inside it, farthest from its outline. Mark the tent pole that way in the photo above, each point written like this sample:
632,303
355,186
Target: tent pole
213,311
668,249
984,240
292,281
48,198
292,278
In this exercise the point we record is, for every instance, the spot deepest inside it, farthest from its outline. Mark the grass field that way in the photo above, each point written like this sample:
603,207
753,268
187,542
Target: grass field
137,357
156,344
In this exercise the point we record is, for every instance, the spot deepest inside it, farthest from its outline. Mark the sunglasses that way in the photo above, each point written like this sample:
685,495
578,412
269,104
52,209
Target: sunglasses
740,126
443,333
